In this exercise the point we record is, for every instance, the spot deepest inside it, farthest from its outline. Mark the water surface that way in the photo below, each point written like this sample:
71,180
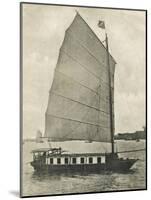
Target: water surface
46,184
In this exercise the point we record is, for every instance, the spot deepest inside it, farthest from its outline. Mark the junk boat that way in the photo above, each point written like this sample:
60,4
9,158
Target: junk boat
81,104
53,160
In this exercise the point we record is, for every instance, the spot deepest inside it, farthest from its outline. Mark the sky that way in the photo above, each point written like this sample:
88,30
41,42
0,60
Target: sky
43,33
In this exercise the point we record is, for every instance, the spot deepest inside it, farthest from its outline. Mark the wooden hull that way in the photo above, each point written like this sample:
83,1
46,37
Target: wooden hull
117,165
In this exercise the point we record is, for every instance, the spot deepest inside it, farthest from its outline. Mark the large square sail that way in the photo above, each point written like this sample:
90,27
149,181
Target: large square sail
79,98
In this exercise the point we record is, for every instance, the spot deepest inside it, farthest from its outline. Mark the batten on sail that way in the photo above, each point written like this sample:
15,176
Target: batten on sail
78,106
75,130
69,87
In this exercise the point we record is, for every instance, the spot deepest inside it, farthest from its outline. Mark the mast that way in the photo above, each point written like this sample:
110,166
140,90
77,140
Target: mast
110,96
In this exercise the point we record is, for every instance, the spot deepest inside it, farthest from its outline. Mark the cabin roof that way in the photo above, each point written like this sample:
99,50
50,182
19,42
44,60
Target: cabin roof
65,153
40,150
76,154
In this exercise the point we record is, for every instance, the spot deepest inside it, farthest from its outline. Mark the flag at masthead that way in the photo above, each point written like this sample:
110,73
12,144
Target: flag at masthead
101,24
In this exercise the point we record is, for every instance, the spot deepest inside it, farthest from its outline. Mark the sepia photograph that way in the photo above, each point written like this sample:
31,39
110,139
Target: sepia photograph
83,99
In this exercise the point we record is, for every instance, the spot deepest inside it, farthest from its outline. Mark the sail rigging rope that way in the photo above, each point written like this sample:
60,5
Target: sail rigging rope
83,66
94,91
79,42
79,102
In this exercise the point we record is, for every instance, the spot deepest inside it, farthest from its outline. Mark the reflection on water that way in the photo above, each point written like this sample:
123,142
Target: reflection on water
45,184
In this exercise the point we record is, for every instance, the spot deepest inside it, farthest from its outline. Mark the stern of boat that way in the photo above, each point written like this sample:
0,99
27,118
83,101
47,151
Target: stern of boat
114,163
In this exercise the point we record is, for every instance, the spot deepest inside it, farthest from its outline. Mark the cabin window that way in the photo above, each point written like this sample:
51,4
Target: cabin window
66,160
74,160
98,159
51,160
82,160
90,160
58,161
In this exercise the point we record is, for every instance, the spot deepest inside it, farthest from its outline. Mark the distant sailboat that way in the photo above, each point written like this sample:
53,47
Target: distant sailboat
81,104
39,137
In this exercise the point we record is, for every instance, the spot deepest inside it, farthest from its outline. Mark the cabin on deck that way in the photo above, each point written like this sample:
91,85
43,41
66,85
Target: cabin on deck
55,156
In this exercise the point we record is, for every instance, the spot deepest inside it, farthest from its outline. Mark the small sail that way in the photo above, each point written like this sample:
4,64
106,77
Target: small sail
78,105
39,136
